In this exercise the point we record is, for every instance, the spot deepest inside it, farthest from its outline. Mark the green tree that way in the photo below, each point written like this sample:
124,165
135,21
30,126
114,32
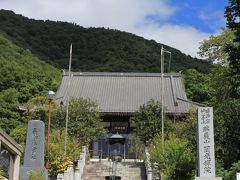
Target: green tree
232,14
9,117
148,121
174,159
225,82
84,120
227,130
19,134
213,48
37,108
198,86
220,84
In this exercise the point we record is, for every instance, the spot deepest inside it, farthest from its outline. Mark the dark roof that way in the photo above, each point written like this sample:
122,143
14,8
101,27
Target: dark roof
125,92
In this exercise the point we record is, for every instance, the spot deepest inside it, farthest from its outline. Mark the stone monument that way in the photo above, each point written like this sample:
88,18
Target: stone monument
206,157
34,150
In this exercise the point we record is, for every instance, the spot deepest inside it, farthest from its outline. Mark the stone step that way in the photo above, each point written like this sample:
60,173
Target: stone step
127,170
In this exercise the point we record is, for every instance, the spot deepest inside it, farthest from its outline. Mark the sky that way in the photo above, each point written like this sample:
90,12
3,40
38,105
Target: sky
181,24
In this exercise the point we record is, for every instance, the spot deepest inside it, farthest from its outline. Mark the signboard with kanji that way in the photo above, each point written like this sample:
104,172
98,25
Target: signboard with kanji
206,158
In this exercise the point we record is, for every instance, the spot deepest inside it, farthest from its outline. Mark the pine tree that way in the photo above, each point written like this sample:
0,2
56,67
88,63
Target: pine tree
232,14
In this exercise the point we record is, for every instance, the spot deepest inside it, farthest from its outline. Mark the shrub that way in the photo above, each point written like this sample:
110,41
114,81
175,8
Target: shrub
1,173
231,174
36,175
174,160
55,152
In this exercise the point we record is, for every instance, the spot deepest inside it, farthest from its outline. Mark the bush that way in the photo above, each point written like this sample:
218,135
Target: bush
55,153
1,173
231,174
173,160
36,175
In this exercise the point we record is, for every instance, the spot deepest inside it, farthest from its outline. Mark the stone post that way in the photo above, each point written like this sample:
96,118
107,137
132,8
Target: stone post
16,167
206,157
34,150
77,174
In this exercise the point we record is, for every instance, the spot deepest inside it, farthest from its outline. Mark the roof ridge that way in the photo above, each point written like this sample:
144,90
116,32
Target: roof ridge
120,74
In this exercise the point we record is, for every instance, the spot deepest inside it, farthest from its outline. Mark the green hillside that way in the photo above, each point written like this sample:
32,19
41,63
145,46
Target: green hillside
94,49
22,77
25,44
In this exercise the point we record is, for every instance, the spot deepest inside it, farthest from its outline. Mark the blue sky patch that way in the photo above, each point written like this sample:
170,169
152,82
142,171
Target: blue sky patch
204,15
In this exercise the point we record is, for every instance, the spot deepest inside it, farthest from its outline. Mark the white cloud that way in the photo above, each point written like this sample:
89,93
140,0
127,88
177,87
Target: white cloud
112,13
183,38
125,15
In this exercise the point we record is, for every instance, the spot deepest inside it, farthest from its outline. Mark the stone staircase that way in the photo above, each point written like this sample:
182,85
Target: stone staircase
128,170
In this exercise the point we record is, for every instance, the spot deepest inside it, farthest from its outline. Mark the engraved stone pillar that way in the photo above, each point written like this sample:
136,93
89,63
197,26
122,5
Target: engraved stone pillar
206,157
238,176
34,150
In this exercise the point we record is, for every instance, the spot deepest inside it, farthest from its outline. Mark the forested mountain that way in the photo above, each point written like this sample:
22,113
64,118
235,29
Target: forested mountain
26,43
22,77
94,49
